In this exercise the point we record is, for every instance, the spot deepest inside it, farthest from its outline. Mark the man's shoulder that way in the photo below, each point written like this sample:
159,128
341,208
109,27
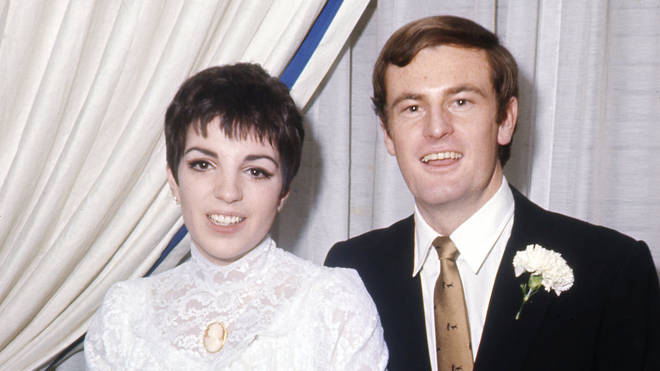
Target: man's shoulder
558,230
369,245
615,294
400,228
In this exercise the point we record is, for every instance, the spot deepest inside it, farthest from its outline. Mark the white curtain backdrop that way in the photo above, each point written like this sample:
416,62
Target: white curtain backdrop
587,142
84,88
85,83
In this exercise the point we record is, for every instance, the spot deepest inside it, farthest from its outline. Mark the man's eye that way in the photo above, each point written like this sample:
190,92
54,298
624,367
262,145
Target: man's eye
461,103
413,108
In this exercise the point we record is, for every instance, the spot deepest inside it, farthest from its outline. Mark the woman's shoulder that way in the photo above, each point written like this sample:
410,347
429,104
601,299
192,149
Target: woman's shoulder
335,319
129,301
341,278
321,276
136,292
127,290
113,322
342,287
124,298
335,286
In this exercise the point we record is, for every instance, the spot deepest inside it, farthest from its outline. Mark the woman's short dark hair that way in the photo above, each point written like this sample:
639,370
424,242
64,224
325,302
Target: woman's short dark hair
246,100
404,44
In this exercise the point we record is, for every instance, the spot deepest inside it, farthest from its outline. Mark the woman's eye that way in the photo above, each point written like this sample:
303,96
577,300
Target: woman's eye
413,108
461,102
259,173
199,165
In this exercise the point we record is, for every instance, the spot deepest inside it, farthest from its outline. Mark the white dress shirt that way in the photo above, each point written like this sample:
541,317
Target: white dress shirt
480,240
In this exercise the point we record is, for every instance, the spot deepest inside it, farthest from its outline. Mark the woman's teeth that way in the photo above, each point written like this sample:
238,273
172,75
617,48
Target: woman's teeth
442,156
224,219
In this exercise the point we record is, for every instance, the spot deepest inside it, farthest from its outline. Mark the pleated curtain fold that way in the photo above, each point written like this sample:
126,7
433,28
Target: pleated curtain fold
84,87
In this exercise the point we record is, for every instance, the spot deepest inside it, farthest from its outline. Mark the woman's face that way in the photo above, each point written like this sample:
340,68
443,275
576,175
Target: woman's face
229,191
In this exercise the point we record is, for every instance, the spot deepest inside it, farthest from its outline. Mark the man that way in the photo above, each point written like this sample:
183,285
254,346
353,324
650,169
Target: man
446,92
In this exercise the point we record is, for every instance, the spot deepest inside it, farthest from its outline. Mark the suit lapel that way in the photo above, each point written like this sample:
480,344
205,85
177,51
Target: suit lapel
505,341
405,310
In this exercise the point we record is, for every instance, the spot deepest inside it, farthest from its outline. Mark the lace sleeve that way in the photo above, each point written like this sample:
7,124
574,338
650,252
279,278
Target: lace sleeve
108,336
353,322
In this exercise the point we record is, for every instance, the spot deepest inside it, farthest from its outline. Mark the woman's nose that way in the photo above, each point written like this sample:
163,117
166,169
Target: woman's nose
228,189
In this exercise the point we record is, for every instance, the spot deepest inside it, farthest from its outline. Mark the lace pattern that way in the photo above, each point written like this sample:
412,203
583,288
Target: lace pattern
280,311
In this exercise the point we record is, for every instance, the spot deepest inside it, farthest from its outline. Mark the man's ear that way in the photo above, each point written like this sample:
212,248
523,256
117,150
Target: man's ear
283,199
174,187
389,143
508,125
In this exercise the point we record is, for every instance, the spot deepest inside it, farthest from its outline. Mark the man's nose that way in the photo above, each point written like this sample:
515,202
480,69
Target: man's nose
438,123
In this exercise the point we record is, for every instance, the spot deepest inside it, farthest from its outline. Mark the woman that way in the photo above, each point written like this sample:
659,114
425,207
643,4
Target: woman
234,140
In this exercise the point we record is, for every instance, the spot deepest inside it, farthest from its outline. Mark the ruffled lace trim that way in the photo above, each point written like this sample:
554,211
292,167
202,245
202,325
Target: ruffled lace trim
280,312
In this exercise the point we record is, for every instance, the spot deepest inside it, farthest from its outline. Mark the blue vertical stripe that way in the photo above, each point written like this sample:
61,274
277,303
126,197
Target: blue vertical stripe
289,78
170,246
311,42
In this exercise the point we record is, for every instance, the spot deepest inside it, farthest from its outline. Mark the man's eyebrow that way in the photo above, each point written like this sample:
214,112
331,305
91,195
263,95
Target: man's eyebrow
202,150
262,157
465,88
450,91
404,96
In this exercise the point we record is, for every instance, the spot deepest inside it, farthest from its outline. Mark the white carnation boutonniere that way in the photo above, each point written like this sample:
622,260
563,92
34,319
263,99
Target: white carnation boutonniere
546,267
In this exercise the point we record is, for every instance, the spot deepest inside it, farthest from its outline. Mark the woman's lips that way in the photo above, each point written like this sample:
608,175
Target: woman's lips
224,220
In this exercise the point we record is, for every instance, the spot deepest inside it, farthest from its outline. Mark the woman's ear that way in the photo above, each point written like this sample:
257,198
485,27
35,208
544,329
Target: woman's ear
283,199
174,187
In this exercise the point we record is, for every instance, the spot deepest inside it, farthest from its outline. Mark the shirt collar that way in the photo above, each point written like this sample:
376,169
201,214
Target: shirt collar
475,237
252,261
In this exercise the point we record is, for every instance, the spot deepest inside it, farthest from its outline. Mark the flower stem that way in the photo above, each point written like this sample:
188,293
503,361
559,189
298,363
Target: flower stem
528,294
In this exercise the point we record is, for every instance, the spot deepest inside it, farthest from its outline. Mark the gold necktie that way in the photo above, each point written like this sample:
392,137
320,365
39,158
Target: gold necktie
452,329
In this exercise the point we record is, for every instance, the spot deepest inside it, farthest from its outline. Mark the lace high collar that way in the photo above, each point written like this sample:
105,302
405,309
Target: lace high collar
248,265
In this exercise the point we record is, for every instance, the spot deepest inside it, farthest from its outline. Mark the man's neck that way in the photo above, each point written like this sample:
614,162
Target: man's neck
445,218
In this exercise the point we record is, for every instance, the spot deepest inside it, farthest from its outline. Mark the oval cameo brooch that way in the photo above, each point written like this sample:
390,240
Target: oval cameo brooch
214,337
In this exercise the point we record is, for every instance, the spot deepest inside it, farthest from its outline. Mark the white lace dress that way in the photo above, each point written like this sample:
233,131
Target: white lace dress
280,313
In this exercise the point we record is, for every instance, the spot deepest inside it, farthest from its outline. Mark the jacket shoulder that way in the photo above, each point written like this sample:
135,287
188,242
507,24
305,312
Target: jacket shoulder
588,246
559,226
364,246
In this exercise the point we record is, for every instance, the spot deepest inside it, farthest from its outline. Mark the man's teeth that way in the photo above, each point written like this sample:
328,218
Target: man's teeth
442,156
224,219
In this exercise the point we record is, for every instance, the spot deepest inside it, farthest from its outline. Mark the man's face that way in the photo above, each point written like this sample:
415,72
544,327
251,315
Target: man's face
441,111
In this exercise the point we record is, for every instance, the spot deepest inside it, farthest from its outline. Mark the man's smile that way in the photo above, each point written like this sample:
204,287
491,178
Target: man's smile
442,156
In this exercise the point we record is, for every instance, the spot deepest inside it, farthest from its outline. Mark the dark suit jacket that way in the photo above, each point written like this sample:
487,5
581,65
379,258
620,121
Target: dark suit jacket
608,320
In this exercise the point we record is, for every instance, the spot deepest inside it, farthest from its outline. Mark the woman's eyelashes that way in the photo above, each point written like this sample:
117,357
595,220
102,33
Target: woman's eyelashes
253,171
259,173
200,165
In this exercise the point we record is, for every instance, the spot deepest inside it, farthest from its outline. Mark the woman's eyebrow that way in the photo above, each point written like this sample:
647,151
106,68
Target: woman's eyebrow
202,150
260,157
